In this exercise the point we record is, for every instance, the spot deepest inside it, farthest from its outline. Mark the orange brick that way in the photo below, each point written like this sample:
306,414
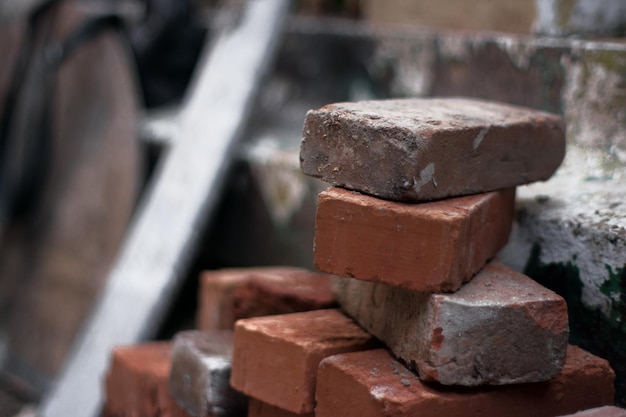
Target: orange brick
227,295
258,408
428,247
137,383
374,384
275,358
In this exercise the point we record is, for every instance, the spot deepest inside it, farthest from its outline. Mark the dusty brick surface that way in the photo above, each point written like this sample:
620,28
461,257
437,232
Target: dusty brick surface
271,294
427,149
606,411
374,384
200,374
260,409
137,382
499,328
227,295
275,358
428,247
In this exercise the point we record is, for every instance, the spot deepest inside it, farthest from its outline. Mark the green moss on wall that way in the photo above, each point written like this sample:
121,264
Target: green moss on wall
590,328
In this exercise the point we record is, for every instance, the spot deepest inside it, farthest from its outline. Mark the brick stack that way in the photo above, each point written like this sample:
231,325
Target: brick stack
422,200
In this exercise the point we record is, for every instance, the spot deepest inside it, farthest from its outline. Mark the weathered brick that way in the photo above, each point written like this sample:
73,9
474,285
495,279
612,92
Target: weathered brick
275,358
606,411
499,328
227,295
427,149
137,382
200,374
429,247
271,294
374,384
260,409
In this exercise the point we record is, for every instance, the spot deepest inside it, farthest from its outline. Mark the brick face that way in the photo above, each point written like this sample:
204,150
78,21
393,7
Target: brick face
200,374
227,295
275,358
258,408
137,383
373,384
427,149
499,328
429,247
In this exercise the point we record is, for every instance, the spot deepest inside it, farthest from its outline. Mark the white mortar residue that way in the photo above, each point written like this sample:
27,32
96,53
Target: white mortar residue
577,218
426,175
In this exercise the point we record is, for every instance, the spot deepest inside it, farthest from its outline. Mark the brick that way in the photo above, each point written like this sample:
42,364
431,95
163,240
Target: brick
499,328
260,409
137,382
227,295
271,294
606,411
426,149
374,384
429,247
275,358
200,374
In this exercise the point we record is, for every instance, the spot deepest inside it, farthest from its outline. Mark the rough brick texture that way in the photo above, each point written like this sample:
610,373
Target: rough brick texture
200,374
427,149
260,409
606,411
137,382
429,247
227,295
275,358
499,328
373,384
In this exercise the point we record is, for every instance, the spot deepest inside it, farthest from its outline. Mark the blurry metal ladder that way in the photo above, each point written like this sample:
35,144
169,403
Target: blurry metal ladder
181,199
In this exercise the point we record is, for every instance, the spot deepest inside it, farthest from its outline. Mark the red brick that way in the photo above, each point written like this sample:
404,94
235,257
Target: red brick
137,383
227,295
606,411
275,358
428,247
427,149
500,328
258,408
374,384
271,294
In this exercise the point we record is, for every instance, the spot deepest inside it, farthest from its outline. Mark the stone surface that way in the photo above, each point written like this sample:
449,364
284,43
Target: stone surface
570,236
373,384
427,149
581,17
499,328
137,382
606,411
200,374
260,409
230,294
275,358
429,247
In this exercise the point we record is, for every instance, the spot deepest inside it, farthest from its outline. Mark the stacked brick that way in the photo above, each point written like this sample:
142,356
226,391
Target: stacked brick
422,199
